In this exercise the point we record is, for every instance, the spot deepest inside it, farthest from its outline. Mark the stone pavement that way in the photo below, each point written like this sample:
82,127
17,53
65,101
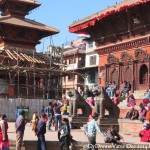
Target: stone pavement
77,134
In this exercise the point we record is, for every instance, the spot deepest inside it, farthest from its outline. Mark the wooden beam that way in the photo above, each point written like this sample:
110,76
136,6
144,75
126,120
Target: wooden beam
25,57
18,55
11,54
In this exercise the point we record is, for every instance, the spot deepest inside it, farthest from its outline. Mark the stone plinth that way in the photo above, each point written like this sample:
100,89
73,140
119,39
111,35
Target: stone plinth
105,123
78,122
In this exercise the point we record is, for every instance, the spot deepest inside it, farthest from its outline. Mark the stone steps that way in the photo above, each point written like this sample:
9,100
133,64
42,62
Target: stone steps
124,108
139,94
128,126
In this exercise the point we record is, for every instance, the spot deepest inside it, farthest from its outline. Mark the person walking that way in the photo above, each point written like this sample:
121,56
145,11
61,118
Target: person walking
20,127
64,134
40,132
90,130
42,110
50,113
4,142
57,114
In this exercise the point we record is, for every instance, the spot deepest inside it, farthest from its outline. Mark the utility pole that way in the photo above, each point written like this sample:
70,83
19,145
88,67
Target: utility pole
62,59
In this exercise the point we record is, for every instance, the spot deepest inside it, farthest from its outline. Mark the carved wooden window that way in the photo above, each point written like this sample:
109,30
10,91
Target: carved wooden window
143,77
114,76
111,59
128,75
93,60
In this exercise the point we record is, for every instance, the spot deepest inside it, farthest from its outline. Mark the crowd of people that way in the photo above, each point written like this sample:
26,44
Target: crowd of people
111,88
43,122
143,114
47,116
52,116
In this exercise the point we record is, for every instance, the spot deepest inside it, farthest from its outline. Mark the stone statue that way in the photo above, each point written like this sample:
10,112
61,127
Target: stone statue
103,102
76,101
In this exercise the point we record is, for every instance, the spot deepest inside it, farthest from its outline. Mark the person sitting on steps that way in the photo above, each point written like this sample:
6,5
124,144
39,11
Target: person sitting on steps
112,135
132,114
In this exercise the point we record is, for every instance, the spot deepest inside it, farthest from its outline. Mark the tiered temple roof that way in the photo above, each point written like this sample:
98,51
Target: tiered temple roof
13,25
79,26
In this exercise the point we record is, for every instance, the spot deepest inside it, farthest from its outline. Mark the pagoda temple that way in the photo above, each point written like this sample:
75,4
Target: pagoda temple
24,72
122,36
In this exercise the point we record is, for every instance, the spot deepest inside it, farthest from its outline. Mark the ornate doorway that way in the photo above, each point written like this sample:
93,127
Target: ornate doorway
143,74
142,58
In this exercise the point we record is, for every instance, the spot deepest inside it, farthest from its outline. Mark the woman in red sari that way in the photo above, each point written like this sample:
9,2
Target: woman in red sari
4,143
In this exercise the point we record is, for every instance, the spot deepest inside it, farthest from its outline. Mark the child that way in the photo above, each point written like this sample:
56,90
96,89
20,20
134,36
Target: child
64,109
34,121
35,125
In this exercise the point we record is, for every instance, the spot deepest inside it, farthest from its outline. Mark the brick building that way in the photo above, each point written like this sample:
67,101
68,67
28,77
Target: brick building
74,59
122,36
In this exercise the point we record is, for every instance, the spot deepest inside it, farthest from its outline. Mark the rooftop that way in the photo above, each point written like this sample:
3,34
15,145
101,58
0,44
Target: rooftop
27,23
74,51
78,26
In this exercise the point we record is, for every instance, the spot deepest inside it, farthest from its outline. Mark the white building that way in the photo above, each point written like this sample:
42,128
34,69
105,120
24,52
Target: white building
91,64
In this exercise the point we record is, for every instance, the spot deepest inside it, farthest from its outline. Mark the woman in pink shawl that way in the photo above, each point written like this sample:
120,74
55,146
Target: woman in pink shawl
131,100
4,143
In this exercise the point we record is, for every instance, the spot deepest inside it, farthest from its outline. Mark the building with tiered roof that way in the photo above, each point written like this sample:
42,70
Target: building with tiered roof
24,72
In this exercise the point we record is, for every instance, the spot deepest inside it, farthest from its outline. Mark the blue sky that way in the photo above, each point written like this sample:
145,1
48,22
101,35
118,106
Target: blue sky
61,13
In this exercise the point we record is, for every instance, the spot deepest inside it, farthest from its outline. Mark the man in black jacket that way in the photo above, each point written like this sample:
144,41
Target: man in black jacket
64,134
40,131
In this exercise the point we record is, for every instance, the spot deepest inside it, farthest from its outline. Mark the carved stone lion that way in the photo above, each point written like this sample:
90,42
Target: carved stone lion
76,101
103,102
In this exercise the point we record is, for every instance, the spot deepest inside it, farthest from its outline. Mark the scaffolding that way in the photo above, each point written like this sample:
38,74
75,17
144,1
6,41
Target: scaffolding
31,74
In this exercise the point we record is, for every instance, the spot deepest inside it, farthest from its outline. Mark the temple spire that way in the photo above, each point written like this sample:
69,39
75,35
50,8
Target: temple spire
17,8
